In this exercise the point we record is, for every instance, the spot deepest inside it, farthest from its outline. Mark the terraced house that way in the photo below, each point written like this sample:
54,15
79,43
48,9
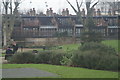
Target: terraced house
32,27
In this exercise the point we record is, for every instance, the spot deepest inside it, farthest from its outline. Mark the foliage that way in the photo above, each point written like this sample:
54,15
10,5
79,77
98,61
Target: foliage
113,44
91,55
99,47
95,56
43,57
91,36
66,60
49,57
93,60
21,58
56,58
62,34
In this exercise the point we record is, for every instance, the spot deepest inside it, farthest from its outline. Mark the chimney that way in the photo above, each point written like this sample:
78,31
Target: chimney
47,12
31,12
83,12
67,12
63,12
94,12
51,12
109,12
98,12
34,12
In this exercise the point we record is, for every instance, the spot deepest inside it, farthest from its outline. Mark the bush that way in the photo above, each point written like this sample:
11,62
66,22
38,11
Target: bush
94,60
49,57
43,57
119,63
66,60
21,58
95,56
91,36
56,58
99,47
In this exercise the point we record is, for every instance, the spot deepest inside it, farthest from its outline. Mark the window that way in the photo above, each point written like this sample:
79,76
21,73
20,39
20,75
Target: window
111,30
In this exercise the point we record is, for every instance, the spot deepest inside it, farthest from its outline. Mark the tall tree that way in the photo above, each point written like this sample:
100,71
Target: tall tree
88,32
89,7
89,17
9,19
77,11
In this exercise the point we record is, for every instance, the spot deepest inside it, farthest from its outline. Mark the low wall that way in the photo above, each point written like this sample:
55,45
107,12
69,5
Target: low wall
46,41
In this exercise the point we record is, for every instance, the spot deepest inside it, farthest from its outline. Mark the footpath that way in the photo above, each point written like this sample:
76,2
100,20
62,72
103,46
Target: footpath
24,72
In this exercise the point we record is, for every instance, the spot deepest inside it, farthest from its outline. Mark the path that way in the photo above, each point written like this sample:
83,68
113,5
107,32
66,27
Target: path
26,73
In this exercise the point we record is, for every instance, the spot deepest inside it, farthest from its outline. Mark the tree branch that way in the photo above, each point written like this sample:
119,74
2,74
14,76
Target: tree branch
78,6
72,6
81,3
95,4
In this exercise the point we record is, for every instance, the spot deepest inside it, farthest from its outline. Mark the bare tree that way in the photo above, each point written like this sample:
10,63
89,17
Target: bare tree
9,20
113,6
89,7
6,5
89,16
77,11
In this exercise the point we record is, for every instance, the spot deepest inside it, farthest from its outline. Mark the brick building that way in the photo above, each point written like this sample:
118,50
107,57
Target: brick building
35,26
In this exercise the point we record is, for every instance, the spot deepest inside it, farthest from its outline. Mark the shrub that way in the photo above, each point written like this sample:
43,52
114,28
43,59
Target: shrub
93,59
95,56
49,57
99,47
91,36
108,62
66,60
21,58
56,58
119,63
43,57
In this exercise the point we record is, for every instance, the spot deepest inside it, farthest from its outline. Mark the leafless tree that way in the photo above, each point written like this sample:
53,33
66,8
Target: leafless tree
9,19
89,7
6,5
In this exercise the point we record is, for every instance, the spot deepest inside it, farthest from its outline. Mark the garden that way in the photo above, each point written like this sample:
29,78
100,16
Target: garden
91,60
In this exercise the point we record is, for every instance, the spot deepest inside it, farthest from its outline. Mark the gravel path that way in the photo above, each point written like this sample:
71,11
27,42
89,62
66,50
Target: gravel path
26,73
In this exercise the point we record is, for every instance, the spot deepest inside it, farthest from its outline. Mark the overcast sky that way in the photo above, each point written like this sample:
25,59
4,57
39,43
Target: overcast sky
56,5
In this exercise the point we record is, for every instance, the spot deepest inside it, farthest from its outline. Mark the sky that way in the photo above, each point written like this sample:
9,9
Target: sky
56,5
40,5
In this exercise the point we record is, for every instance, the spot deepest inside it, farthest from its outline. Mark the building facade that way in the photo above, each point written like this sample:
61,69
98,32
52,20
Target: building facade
32,25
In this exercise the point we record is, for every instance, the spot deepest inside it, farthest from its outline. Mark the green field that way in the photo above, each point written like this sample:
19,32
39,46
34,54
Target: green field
67,72
113,43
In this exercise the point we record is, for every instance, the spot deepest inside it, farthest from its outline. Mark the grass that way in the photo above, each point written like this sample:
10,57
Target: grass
70,47
113,43
71,72
67,72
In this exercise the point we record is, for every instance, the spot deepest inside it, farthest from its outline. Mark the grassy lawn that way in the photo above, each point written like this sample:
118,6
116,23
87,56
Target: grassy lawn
70,47
67,72
113,43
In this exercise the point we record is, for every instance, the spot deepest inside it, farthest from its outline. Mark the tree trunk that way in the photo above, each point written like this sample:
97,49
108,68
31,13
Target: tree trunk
4,38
